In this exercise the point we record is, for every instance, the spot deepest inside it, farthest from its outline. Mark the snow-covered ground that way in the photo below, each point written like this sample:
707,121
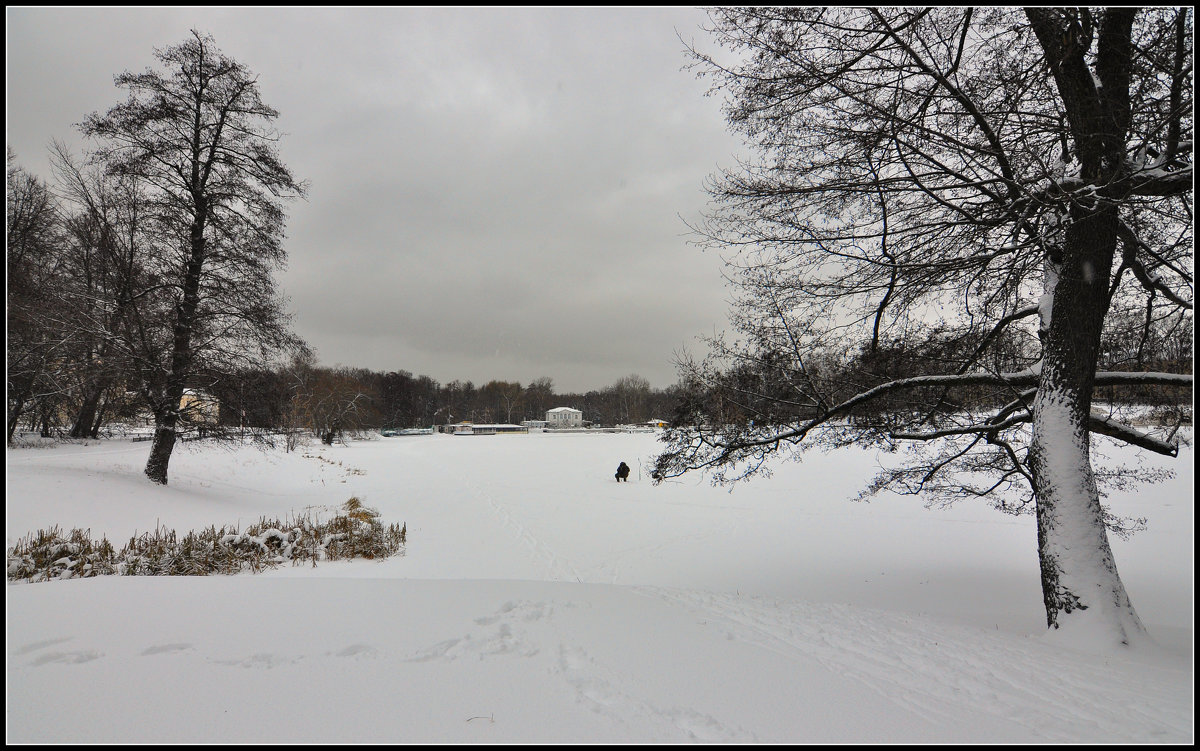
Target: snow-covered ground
539,600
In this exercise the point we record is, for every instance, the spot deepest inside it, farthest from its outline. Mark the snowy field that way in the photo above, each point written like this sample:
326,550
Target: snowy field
539,600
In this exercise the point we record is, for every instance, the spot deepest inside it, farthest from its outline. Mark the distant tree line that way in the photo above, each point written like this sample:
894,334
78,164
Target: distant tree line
331,402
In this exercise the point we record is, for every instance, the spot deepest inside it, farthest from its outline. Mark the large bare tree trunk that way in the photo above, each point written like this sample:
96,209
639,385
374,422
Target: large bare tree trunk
181,349
1082,590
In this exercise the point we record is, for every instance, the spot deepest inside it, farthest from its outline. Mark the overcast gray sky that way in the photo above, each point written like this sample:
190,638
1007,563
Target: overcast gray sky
495,193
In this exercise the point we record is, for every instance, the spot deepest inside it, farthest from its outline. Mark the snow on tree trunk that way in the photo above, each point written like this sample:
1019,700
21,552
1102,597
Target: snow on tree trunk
1084,597
1080,584
160,450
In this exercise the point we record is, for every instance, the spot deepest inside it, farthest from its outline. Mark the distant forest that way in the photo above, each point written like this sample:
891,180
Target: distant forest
362,399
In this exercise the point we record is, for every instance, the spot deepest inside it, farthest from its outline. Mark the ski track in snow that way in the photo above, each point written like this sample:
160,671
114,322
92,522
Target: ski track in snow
937,670
606,696
558,568
618,557
506,633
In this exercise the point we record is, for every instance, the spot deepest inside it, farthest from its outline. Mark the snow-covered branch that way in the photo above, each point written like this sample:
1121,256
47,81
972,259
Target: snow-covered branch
1126,434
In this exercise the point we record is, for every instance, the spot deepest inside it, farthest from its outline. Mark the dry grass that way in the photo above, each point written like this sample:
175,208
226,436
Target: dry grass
354,531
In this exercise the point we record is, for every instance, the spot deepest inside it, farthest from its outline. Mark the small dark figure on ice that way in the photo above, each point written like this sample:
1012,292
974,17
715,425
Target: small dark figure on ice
623,472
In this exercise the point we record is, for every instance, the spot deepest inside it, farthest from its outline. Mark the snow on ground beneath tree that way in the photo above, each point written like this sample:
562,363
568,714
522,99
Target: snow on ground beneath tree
538,600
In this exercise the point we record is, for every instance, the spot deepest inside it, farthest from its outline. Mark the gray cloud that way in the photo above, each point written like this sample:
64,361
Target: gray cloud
495,193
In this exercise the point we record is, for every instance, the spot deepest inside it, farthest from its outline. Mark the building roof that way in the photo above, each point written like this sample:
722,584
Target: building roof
565,409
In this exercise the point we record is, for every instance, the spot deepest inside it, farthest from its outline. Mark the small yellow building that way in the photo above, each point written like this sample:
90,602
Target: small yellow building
199,407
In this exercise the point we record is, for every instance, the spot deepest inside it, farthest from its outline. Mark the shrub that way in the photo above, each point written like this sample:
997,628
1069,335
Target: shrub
354,531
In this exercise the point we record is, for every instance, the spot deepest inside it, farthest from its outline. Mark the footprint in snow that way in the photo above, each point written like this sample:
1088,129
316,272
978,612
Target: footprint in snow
35,646
357,651
70,658
162,649
260,660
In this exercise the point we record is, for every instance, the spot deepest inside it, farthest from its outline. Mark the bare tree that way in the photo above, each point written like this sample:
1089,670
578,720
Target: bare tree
994,170
539,397
332,401
197,136
630,396
105,285
501,398
36,341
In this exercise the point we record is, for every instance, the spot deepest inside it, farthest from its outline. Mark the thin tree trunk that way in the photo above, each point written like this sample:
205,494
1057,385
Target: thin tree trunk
85,418
15,415
1081,588
99,421
44,411
161,448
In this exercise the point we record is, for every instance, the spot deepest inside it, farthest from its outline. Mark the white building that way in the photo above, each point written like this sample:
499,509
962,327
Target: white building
564,417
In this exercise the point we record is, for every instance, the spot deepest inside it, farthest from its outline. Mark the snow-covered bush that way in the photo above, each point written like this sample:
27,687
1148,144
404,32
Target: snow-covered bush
49,553
354,531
